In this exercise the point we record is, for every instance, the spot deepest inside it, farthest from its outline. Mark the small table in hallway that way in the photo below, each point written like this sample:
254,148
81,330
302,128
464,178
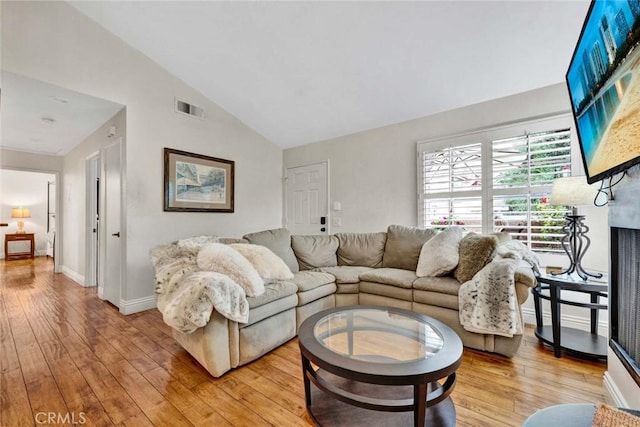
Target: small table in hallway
19,237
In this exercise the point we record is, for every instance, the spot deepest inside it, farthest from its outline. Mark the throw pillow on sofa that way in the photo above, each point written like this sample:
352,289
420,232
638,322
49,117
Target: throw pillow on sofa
361,249
279,241
315,251
475,252
439,256
224,259
268,265
403,246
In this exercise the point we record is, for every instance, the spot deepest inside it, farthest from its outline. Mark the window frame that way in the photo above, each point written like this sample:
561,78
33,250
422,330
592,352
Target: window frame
485,137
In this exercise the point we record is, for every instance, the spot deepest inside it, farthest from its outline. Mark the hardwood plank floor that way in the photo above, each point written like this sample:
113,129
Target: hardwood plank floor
63,351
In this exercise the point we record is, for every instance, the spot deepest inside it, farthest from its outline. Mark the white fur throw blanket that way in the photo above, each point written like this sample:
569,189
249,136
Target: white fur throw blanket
488,302
187,296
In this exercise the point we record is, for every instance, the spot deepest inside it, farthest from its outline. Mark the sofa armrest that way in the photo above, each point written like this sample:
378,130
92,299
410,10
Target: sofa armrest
524,274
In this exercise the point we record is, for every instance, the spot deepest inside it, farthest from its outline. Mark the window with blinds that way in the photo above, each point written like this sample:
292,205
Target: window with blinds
452,182
498,180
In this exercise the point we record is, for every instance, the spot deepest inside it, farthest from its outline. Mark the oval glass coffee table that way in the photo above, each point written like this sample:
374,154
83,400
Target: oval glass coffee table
358,361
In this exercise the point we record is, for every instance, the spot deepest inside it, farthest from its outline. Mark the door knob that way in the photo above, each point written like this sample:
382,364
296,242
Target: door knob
116,234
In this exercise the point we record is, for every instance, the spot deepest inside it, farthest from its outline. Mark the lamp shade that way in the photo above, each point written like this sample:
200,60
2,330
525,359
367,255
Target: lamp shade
572,191
20,213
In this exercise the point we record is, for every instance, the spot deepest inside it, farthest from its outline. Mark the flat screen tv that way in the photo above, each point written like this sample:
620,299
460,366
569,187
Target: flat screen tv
604,86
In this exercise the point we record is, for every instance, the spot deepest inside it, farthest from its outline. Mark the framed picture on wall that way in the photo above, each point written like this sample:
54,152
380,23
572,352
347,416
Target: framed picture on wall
197,183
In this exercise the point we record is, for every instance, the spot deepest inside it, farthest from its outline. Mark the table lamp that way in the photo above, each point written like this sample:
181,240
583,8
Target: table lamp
574,191
20,213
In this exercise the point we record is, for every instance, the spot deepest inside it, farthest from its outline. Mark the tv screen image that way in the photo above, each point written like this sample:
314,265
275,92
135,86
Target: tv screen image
604,86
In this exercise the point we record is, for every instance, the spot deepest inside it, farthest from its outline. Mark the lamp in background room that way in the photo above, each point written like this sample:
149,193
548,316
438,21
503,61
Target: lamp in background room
20,214
574,191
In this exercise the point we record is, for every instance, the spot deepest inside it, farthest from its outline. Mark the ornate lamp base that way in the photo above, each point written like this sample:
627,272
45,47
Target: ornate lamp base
575,243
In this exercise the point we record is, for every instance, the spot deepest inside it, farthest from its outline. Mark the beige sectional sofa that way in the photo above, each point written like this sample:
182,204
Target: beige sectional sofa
338,270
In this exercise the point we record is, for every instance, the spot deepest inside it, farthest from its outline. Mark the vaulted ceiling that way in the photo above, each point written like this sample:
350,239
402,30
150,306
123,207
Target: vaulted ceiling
300,72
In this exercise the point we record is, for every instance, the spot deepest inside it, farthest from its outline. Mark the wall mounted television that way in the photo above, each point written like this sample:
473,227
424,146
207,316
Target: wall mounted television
604,85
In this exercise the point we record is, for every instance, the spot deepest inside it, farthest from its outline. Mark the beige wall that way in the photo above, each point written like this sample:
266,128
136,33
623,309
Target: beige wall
52,42
373,174
11,159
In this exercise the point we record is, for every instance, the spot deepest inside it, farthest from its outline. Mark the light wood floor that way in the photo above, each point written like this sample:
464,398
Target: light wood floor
63,351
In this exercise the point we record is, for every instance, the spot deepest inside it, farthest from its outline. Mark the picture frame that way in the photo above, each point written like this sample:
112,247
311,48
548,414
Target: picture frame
197,183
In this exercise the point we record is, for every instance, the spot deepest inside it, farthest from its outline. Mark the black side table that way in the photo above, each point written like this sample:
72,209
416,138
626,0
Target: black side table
583,343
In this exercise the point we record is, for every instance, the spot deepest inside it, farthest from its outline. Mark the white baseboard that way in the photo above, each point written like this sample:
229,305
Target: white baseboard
613,395
137,305
567,320
73,275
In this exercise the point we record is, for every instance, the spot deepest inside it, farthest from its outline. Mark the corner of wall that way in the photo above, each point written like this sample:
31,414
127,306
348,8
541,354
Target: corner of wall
137,305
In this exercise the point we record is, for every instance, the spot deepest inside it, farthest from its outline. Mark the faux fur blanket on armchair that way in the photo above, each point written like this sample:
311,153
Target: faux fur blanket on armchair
187,296
488,302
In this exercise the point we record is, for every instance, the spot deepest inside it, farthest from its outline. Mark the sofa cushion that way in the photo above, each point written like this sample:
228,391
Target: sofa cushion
390,276
307,280
316,293
439,255
346,274
279,241
268,265
385,290
443,285
361,249
315,251
272,291
230,240
476,251
436,298
226,260
403,246
278,297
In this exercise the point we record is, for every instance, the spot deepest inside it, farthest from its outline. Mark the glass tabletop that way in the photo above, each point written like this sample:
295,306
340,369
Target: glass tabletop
378,335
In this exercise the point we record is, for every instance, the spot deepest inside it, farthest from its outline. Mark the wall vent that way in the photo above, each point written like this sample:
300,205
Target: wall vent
189,109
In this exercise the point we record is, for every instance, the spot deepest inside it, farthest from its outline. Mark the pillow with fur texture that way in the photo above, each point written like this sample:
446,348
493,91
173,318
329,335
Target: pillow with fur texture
475,252
268,265
226,260
279,241
439,255
196,242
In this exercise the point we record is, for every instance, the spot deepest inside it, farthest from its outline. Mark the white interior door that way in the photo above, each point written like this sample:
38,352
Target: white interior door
307,199
110,269
92,220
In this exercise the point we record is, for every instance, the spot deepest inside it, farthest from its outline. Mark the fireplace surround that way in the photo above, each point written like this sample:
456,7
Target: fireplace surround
624,298
622,380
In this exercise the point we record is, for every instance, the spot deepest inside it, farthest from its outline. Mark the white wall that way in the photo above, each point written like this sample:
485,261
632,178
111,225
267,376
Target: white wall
12,159
81,56
29,190
373,174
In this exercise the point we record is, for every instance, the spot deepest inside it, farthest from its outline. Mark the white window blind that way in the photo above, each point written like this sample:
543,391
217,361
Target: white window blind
498,180
452,182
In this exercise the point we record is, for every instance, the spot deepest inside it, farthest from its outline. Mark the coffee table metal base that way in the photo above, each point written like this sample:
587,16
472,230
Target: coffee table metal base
330,400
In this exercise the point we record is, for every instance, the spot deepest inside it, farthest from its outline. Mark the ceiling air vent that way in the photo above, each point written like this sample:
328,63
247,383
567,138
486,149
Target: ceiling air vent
189,109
